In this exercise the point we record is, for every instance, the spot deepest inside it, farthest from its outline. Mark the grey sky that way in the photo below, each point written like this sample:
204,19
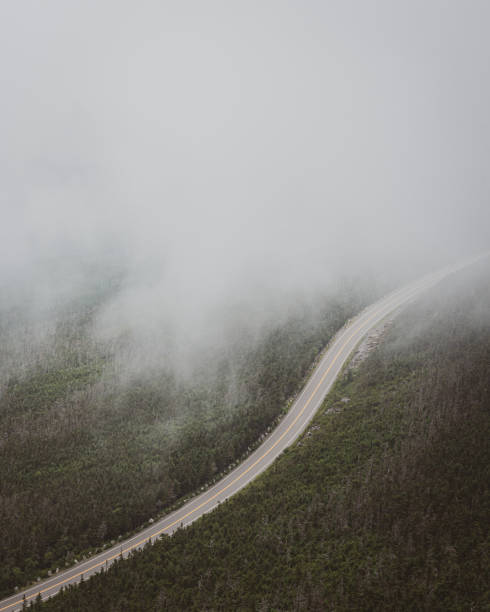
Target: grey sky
226,145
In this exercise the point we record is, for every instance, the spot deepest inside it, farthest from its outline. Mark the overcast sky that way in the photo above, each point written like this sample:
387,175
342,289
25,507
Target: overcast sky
254,143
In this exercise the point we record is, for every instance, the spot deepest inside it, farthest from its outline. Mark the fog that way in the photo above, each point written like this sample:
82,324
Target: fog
226,157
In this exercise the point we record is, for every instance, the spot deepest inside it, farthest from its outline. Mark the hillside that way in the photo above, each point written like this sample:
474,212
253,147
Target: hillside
383,504
92,449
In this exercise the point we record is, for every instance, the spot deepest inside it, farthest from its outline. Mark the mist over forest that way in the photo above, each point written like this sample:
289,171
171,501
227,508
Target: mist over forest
218,163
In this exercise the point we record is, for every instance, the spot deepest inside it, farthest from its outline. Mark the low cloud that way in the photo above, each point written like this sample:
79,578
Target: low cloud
237,157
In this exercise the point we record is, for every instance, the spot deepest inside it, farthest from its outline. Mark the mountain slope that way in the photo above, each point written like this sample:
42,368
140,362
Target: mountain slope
384,503
88,454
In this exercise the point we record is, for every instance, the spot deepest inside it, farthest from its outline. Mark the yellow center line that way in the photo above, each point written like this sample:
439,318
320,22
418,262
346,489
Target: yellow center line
225,488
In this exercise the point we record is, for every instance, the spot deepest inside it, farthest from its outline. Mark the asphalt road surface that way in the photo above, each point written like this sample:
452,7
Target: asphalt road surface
289,428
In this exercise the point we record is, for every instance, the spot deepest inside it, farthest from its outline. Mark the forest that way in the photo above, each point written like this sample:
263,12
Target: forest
92,448
383,504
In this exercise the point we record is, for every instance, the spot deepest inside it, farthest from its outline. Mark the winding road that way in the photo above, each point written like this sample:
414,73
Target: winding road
288,430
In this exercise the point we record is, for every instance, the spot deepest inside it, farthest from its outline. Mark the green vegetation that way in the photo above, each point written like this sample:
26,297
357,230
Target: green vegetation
87,456
383,505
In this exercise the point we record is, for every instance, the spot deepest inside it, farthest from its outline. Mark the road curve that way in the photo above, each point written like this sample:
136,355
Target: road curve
289,428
